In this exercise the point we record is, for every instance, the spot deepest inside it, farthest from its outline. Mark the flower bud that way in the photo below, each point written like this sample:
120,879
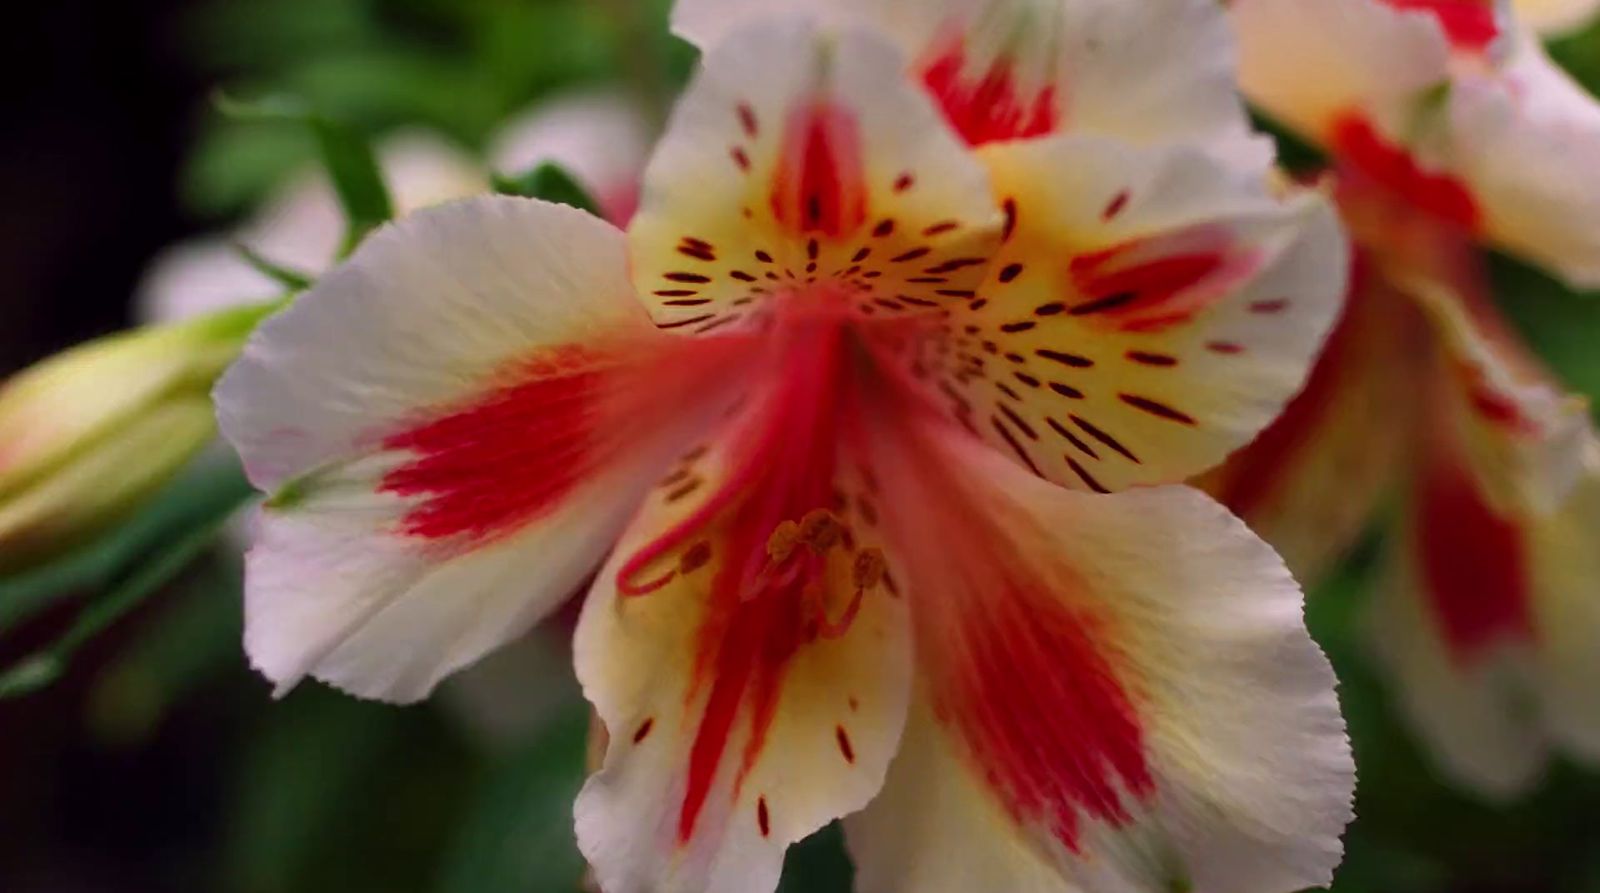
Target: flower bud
88,434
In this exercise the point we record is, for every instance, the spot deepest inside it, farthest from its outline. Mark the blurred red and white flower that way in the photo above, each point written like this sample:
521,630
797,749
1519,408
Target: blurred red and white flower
1449,131
875,420
301,228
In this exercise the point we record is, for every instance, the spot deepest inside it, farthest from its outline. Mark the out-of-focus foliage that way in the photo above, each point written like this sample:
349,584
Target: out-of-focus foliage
458,67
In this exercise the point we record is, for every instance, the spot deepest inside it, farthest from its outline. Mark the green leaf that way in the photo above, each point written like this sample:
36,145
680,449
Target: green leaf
1295,155
47,665
346,154
516,836
335,794
197,499
290,279
550,182
818,864
190,643
353,168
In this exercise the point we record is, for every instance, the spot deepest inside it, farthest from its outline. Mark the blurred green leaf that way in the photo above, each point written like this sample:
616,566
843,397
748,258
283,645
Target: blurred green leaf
818,864
517,835
193,640
45,666
1560,324
548,181
233,165
353,168
196,501
346,154
1295,155
292,280
335,794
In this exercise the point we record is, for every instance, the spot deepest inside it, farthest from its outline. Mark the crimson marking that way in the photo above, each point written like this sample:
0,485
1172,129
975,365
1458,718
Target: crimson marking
1157,409
845,747
643,731
488,467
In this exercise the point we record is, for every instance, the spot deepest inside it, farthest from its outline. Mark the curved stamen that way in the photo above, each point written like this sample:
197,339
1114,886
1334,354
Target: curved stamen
867,573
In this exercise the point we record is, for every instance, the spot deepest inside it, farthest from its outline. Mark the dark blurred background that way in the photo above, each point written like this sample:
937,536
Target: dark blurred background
101,102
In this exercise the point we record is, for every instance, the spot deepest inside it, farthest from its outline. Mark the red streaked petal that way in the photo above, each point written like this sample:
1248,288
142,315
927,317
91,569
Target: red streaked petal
1147,312
803,167
1470,24
1096,673
1363,152
1311,482
471,465
1309,64
819,185
772,683
988,105
1493,656
453,425
1154,72
1472,562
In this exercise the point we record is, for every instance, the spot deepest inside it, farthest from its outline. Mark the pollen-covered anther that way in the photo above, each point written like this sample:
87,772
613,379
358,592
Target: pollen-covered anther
869,568
820,531
784,540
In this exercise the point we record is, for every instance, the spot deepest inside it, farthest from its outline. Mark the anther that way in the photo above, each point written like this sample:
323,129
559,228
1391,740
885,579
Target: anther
783,541
869,568
820,530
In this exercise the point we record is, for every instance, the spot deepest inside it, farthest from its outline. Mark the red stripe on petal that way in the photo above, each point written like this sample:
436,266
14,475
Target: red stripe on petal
1473,562
1359,145
511,455
1037,698
759,616
991,106
1149,284
820,182
1470,24
1269,461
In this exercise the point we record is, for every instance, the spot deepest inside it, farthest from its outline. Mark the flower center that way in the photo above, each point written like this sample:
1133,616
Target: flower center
772,518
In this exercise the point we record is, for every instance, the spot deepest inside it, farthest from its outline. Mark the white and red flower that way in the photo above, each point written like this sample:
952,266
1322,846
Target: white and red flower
1448,130
846,407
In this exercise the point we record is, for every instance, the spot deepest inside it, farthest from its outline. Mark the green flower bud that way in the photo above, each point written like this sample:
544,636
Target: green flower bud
90,433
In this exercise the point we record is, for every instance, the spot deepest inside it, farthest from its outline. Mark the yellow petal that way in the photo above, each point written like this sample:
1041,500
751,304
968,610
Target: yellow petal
754,686
1149,310
803,166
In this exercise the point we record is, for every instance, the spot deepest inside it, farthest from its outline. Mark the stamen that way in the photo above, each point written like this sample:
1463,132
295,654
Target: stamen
869,568
784,540
820,530
867,573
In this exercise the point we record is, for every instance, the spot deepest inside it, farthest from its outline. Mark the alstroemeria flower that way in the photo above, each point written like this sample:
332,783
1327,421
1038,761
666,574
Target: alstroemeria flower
1448,129
837,407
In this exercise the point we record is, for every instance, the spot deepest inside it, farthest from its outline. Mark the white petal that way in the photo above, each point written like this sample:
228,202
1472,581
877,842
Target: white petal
1524,138
1309,63
1118,690
454,425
